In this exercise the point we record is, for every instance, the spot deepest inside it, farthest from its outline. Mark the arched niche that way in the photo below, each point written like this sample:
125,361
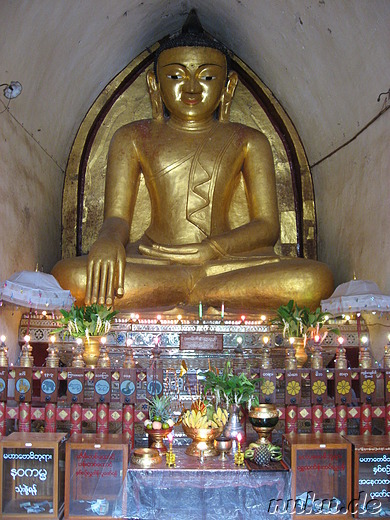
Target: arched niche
125,99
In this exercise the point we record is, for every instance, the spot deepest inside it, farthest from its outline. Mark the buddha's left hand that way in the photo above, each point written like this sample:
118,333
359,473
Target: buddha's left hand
190,254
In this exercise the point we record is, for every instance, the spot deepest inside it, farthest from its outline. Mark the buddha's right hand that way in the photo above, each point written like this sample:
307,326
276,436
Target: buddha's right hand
105,271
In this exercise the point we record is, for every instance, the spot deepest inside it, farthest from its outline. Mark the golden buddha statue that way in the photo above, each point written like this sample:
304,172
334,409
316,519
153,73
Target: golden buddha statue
192,158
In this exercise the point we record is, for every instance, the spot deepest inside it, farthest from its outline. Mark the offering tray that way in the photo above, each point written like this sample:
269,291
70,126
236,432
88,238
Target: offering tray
145,457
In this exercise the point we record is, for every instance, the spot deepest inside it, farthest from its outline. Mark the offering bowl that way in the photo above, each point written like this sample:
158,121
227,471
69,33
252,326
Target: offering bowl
263,419
156,438
206,435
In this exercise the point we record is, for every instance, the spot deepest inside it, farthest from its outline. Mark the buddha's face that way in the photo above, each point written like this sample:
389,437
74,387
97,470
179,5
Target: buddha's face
191,81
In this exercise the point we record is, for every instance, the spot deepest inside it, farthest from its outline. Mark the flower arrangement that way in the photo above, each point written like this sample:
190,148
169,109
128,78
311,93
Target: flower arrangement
301,322
230,388
83,322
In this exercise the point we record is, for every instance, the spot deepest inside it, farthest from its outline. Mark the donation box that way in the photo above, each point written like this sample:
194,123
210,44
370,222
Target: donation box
95,469
32,475
321,482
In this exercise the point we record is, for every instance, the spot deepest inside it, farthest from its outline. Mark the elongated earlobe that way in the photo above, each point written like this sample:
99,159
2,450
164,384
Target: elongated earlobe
227,97
155,97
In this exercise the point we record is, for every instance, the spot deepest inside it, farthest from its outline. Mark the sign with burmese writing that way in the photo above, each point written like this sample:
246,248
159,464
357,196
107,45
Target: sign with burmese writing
75,386
374,476
23,383
201,342
27,480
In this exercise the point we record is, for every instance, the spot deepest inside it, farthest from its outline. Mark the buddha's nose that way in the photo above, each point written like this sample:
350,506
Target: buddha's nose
193,85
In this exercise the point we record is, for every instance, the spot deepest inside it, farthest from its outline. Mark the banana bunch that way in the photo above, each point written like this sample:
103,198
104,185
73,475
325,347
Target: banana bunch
275,451
219,418
195,419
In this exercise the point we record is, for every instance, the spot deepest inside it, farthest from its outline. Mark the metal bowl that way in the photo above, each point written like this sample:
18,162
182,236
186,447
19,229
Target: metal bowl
145,457
206,435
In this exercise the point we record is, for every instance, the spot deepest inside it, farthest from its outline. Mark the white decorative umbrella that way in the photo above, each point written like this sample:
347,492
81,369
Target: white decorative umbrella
356,296
35,290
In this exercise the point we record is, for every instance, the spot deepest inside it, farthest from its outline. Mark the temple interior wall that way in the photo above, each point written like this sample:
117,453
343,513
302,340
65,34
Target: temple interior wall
325,61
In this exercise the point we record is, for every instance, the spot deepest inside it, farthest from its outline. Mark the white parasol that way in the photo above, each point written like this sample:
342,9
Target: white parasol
356,296
35,290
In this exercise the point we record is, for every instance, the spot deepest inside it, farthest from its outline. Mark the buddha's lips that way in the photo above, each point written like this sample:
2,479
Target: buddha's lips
189,100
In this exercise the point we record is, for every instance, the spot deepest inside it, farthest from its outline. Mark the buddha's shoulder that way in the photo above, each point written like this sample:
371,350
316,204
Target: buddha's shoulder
247,133
135,129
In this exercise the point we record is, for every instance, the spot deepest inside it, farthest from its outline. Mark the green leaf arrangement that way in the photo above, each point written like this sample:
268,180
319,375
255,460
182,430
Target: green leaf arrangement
231,388
82,322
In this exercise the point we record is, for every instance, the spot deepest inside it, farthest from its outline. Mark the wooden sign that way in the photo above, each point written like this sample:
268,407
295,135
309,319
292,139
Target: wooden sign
368,386
318,382
154,382
267,388
293,387
23,384
3,384
75,386
343,387
127,386
213,342
49,389
102,385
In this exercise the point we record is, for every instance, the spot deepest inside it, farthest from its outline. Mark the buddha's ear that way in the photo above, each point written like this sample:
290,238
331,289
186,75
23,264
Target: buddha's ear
155,96
227,97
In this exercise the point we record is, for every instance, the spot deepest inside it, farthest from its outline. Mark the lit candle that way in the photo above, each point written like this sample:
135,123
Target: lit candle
222,311
243,318
200,310
3,338
239,438
317,338
263,317
265,340
340,340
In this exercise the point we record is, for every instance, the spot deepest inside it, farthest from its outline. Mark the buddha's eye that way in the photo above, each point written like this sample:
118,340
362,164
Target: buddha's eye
174,76
207,78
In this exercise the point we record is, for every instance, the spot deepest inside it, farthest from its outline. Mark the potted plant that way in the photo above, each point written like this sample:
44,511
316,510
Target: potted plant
235,391
299,323
89,323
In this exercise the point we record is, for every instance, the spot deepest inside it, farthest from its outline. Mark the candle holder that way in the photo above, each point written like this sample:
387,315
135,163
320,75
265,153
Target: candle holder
78,360
27,359
386,358
239,457
3,353
53,359
290,362
104,359
365,360
341,362
202,447
129,361
170,456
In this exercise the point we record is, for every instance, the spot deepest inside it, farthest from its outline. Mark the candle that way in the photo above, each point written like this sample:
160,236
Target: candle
239,438
202,446
222,311
200,310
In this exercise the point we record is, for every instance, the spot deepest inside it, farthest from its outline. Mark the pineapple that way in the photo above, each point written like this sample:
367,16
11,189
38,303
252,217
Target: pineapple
159,408
262,455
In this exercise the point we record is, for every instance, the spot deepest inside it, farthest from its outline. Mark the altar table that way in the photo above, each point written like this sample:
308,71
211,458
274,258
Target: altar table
214,490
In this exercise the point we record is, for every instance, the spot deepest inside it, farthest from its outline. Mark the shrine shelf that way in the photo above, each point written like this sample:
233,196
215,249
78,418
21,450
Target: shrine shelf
32,475
371,470
321,481
95,468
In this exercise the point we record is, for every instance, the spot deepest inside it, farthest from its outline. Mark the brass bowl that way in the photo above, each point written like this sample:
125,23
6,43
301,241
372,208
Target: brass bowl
156,438
145,457
263,419
206,435
223,445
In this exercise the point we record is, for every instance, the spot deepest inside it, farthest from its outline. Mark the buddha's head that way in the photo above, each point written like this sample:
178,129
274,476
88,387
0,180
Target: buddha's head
192,74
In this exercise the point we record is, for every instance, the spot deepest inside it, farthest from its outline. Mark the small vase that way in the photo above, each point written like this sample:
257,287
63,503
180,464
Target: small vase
92,351
299,345
234,426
